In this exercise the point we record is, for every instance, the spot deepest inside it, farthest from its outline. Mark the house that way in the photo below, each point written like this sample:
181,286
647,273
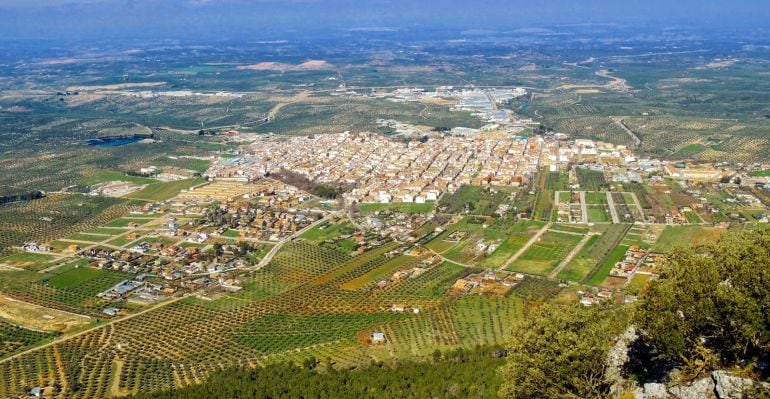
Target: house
587,300
398,308
378,338
112,312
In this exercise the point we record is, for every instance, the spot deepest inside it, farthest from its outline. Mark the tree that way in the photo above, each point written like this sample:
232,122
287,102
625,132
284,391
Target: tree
710,307
560,352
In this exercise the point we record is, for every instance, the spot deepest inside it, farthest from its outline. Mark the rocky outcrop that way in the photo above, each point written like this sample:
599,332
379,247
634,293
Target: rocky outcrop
720,384
729,386
699,389
652,390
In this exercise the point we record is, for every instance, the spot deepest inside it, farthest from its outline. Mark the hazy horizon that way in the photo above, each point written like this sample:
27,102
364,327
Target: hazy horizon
205,19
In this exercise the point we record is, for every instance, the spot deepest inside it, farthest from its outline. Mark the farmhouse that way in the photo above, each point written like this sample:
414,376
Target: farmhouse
378,338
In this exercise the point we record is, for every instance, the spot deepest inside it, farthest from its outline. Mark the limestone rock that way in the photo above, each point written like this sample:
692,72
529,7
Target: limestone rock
730,386
699,389
652,390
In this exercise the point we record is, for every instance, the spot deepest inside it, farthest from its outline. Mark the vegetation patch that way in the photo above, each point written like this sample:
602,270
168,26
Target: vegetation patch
164,191
404,207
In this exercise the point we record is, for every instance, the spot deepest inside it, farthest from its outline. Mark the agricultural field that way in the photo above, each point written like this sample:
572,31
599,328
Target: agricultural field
474,200
381,272
544,208
326,292
164,191
462,322
14,338
545,254
537,289
601,274
320,114
55,216
71,288
398,207
38,318
686,237
328,231
516,237
107,176
462,247
593,254
25,260
276,317
591,180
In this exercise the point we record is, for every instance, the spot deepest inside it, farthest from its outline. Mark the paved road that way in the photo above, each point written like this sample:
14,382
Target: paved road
523,249
621,124
613,210
266,260
583,208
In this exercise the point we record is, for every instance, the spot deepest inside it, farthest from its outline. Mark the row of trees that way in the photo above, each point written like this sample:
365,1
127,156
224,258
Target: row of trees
710,309
302,182
33,195
456,374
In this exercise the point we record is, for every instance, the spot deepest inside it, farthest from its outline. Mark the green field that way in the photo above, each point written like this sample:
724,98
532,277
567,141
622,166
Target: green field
327,231
760,173
519,235
404,207
93,238
231,233
582,264
440,245
106,231
685,237
604,270
593,197
544,255
73,277
120,241
638,282
474,200
591,180
599,214
164,191
124,222
25,259
691,149
382,272
198,165
108,176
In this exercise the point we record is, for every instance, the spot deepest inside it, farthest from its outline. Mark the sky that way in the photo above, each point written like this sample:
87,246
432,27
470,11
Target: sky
87,19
